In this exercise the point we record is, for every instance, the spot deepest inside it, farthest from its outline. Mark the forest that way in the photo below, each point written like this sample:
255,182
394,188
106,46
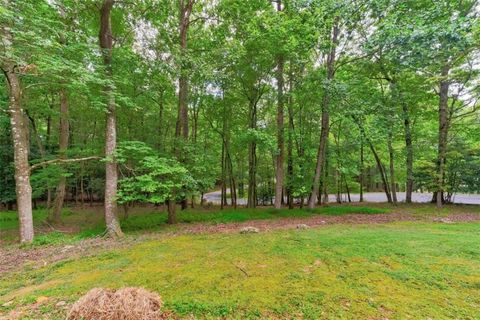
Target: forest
121,117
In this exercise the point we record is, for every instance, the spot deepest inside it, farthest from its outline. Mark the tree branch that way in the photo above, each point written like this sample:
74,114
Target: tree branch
44,163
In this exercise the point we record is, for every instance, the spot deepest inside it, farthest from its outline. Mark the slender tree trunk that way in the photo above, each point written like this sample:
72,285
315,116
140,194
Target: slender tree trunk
185,7
409,151
347,188
361,169
233,189
325,177
160,140
82,190
280,139
43,153
252,160
223,195
325,118
393,188
172,216
111,177
279,159
442,134
291,128
181,130
55,214
378,161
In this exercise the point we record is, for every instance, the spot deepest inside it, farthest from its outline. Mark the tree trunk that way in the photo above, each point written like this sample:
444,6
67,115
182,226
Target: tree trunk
252,160
409,151
291,128
347,188
111,178
280,129
442,134
325,177
55,214
43,153
181,129
393,188
182,116
361,169
233,189
325,118
223,195
23,188
19,128
160,140
172,215
377,160
382,172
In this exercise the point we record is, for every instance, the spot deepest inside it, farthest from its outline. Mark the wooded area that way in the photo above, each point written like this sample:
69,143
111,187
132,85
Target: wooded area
280,102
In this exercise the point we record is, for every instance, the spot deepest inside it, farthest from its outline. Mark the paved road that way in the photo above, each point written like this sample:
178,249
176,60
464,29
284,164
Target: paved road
214,197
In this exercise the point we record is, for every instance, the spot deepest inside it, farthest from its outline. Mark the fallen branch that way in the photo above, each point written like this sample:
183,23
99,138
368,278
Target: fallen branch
54,161
241,269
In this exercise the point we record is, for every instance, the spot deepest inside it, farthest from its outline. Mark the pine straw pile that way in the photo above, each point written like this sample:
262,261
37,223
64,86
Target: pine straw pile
123,304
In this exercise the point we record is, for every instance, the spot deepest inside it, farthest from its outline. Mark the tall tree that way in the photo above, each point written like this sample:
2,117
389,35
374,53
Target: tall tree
325,115
111,177
279,175
20,134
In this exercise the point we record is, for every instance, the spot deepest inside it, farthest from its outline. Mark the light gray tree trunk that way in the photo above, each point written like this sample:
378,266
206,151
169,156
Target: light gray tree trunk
23,188
19,126
111,177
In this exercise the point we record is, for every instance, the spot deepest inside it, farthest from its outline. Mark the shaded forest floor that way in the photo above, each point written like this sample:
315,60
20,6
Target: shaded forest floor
341,266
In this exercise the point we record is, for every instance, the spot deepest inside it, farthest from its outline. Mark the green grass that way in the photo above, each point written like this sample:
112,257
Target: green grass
396,271
9,219
153,220
156,219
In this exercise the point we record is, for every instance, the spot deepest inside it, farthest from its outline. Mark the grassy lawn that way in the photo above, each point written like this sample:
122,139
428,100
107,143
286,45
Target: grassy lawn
89,222
395,271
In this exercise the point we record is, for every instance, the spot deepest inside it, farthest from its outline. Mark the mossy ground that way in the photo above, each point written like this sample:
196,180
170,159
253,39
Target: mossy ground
395,271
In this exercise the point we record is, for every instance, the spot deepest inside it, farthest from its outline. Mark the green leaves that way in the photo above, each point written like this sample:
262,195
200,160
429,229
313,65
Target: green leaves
148,177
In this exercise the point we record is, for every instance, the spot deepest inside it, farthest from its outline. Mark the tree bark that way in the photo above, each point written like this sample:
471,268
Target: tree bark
43,153
361,169
181,129
409,151
20,141
291,128
185,7
23,188
55,214
252,160
325,118
442,133
377,160
172,216
393,188
111,178
279,159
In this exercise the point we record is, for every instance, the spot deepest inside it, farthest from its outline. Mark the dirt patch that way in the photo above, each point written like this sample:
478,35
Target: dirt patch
14,257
